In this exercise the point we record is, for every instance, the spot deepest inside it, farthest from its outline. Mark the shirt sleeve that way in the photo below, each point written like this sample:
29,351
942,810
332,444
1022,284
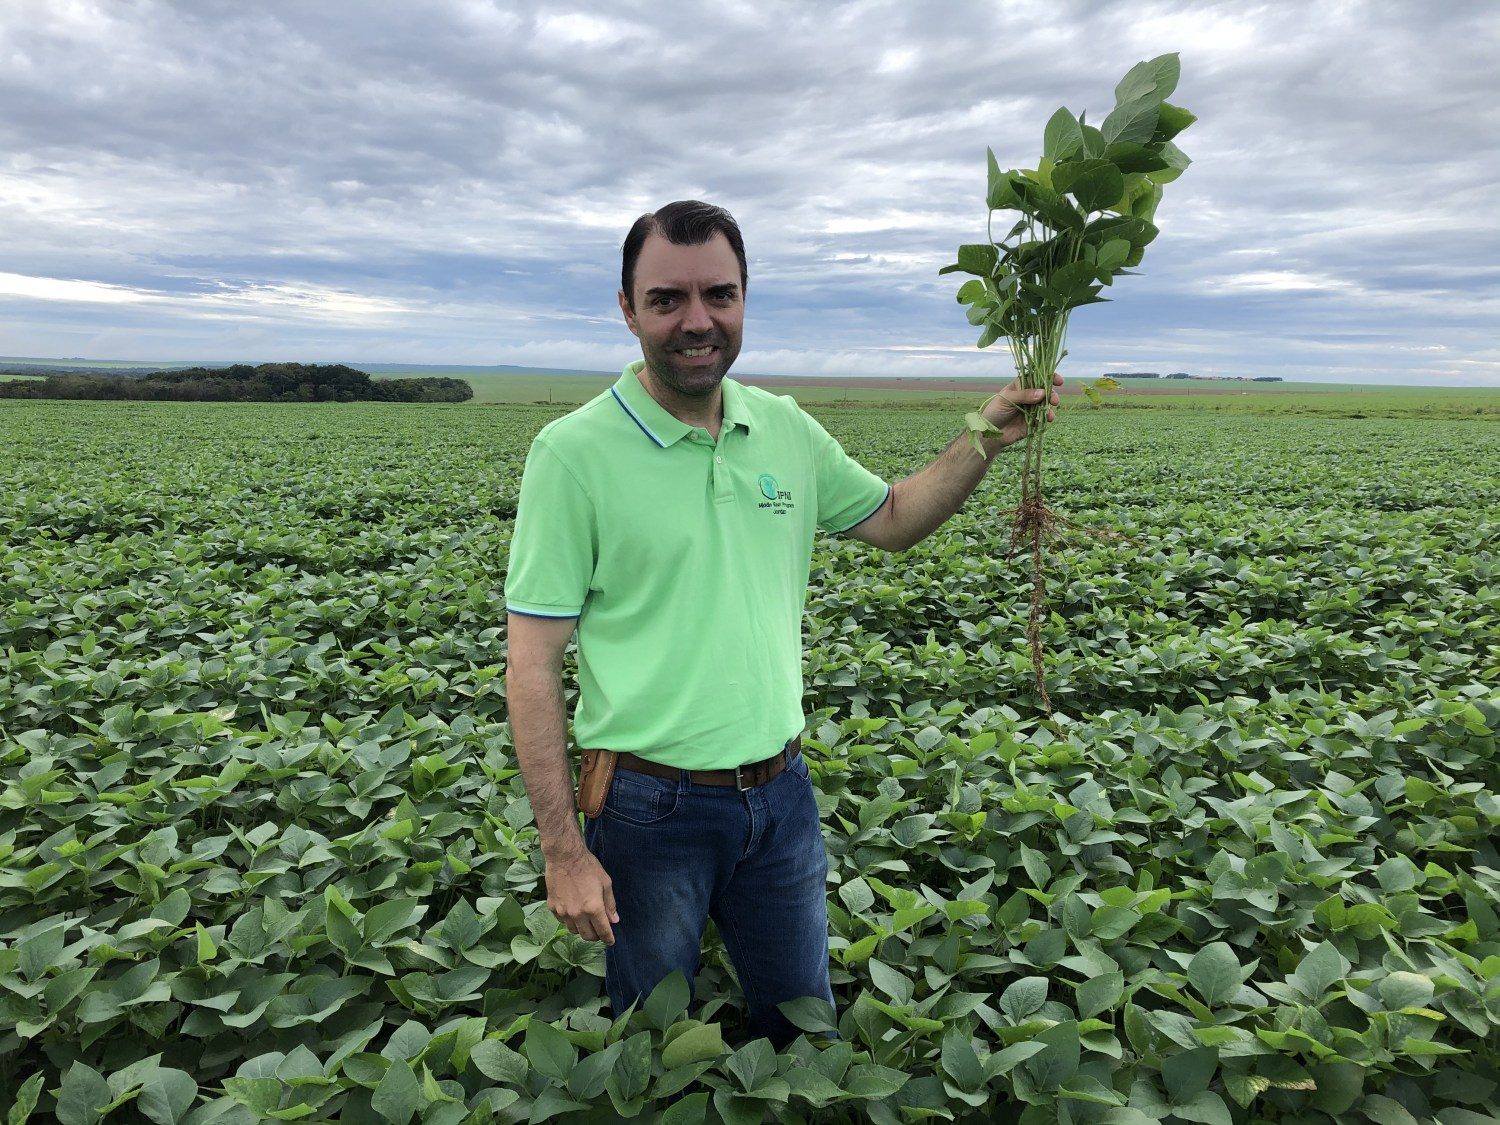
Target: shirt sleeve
555,542
848,493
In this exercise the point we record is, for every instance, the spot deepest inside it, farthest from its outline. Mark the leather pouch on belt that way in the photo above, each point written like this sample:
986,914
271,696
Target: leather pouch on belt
596,770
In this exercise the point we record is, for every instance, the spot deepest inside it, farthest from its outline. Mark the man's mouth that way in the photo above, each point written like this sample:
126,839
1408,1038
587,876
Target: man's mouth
695,352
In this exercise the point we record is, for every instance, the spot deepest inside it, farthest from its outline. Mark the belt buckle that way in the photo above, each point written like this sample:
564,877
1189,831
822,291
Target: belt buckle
738,784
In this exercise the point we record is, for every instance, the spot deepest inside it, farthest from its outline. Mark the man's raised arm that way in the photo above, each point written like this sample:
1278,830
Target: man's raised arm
920,504
578,890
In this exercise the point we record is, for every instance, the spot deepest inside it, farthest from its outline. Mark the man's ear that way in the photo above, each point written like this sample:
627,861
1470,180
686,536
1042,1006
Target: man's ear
629,314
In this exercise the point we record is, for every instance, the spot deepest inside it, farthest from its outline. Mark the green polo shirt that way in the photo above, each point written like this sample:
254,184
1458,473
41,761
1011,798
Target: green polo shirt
685,561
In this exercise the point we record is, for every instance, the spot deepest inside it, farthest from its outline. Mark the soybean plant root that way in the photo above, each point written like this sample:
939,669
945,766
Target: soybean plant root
1033,525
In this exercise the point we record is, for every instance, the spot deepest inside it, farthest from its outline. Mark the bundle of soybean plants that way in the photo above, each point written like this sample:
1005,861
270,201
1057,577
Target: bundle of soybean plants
1086,214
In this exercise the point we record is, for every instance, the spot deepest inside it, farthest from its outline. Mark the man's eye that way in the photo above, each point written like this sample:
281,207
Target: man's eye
661,302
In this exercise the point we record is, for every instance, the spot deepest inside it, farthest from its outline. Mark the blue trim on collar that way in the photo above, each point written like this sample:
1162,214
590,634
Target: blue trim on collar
625,407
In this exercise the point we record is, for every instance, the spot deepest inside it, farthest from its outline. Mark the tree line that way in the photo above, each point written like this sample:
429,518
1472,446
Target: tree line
268,382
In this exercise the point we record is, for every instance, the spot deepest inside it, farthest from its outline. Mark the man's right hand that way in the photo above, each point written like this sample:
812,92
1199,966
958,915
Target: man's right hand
581,895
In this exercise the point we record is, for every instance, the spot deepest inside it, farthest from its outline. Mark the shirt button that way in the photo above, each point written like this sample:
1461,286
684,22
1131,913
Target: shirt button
718,460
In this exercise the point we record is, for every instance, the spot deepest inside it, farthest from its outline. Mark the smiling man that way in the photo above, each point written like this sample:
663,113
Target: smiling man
670,521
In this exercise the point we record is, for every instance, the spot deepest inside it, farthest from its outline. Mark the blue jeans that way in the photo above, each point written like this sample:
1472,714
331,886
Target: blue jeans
679,853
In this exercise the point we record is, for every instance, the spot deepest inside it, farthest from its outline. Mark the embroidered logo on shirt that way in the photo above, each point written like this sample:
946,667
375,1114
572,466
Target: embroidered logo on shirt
777,499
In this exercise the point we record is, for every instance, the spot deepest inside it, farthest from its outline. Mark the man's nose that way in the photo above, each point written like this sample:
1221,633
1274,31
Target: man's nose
695,316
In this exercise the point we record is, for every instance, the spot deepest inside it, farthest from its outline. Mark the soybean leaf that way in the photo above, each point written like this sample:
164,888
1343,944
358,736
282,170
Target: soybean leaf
1023,997
83,1096
1155,78
703,1041
1063,137
1170,121
809,1013
1320,970
1188,1074
668,1000
1101,993
1214,972
960,1060
1174,163
397,1097
1133,122
549,1051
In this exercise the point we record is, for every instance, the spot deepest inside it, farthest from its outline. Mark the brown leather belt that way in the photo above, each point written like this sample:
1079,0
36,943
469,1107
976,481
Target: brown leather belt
741,777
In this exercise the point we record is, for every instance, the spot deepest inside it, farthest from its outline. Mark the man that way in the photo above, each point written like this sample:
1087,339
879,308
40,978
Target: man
671,521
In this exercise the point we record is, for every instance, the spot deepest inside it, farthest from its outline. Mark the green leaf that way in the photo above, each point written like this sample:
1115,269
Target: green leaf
1037,868
40,952
83,1095
168,1096
1101,993
1059,1063
633,1068
397,1096
1129,157
668,1000
704,1041
1112,255
1023,997
495,1060
1155,78
1204,1106
691,1110
980,258
462,927
1215,973
810,1013
1063,137
812,1087
997,191
960,1060
1405,990
968,293
25,1101
592,1072
754,1065
1322,968
1094,183
260,1095
549,1051
1188,1074
1171,120
389,917
1002,1062
1175,162
868,1080
1132,122
1386,1111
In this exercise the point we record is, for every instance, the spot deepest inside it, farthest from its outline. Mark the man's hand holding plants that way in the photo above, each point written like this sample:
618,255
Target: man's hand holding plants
1007,412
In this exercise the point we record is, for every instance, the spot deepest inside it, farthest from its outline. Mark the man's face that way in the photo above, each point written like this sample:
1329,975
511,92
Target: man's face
689,312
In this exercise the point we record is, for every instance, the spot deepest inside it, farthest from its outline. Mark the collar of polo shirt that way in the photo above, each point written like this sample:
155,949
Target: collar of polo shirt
654,420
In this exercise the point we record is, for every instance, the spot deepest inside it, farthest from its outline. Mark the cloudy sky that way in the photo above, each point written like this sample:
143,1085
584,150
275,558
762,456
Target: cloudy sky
448,181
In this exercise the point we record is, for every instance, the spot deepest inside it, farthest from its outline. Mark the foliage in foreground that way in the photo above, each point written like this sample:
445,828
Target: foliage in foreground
264,851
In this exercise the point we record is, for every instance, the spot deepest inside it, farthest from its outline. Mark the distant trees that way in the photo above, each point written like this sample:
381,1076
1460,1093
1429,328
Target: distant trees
269,382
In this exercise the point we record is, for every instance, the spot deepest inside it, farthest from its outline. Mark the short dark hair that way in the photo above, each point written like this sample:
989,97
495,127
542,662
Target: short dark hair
688,222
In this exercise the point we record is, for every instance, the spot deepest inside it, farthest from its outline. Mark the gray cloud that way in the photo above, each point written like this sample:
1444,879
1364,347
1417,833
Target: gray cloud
450,181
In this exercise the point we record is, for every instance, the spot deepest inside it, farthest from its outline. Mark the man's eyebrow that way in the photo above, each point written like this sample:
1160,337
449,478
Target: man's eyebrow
672,291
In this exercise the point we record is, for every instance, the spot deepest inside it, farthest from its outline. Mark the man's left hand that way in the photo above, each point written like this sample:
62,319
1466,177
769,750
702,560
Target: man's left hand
1005,414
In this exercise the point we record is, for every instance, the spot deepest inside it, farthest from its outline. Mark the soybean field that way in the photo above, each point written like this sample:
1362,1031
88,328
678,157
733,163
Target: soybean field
265,852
